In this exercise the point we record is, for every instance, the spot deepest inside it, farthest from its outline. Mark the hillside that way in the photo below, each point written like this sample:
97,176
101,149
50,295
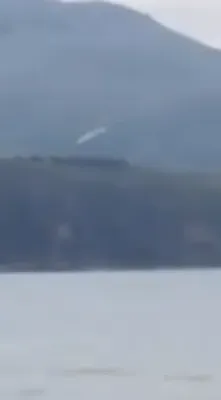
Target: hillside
80,213
66,69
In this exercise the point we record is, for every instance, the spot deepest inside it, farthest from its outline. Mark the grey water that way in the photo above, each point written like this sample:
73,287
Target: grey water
103,335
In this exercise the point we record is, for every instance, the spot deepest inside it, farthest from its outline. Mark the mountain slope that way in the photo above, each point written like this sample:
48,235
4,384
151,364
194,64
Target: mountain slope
66,69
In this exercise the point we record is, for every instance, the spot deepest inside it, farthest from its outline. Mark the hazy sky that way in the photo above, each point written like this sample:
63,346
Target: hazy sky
198,18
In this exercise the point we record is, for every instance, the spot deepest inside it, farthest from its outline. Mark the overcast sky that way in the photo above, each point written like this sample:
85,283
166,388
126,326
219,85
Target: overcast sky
198,18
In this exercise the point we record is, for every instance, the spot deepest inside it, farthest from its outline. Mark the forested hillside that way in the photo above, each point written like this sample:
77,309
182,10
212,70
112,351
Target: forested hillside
82,213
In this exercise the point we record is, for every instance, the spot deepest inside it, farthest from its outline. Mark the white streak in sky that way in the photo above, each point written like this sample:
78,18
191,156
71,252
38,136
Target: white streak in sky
91,135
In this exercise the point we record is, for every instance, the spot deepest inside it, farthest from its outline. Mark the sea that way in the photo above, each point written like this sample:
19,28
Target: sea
111,335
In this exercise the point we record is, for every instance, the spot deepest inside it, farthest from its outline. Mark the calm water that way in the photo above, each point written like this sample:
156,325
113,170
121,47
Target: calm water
105,336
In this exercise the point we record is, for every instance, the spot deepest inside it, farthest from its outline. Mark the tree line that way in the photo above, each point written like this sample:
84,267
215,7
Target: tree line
79,213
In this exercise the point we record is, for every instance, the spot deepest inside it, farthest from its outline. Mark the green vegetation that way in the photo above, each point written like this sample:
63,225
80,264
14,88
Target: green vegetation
81,213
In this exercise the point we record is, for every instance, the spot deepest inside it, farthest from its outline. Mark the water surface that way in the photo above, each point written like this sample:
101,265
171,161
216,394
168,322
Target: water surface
101,336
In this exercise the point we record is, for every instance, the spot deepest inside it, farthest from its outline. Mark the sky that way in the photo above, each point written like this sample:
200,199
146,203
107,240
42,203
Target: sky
200,19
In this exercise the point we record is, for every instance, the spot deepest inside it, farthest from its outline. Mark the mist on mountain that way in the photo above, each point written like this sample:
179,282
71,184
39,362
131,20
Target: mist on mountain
67,69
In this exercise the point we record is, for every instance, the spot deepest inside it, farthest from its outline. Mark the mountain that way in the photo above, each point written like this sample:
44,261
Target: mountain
67,69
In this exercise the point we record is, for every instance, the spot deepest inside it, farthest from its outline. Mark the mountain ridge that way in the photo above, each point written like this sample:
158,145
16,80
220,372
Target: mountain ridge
70,68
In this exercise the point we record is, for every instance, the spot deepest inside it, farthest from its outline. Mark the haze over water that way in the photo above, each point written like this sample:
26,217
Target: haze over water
127,336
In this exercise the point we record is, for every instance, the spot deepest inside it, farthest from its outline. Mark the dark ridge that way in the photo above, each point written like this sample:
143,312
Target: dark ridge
96,162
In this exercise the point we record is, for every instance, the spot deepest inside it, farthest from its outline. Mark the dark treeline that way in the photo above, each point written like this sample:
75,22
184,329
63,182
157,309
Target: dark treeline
74,213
